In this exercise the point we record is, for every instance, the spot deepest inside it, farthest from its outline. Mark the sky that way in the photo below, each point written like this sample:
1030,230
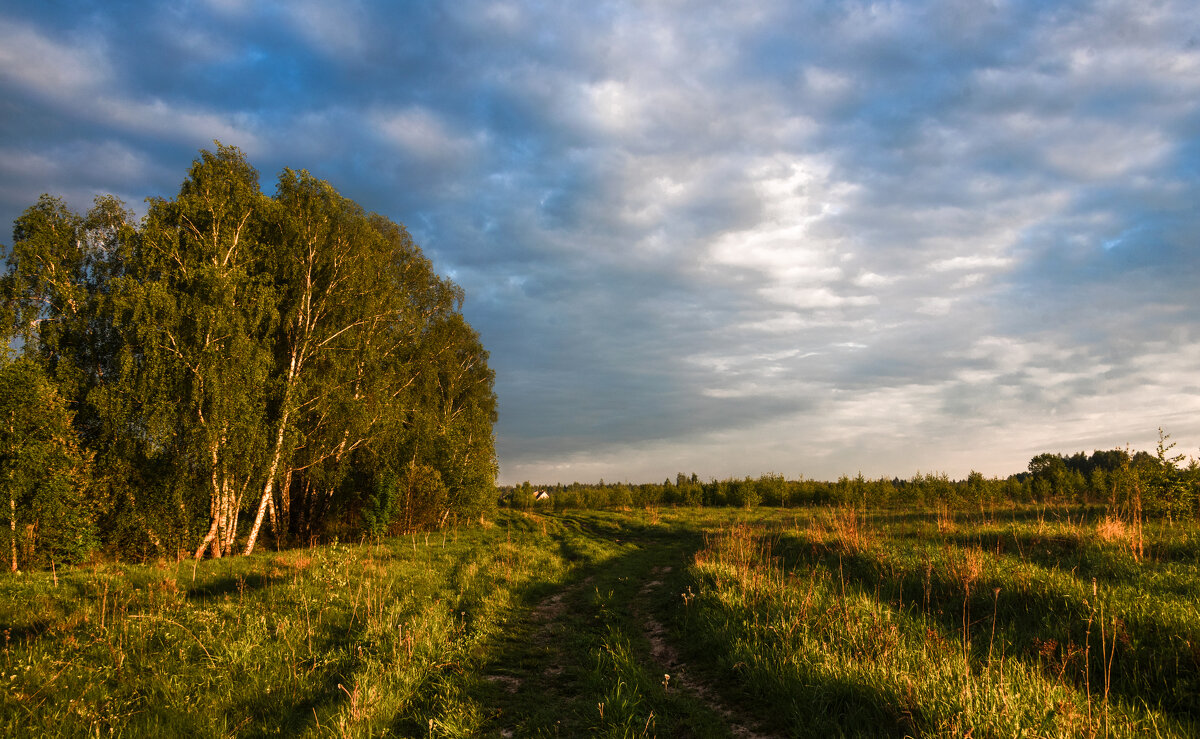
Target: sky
808,238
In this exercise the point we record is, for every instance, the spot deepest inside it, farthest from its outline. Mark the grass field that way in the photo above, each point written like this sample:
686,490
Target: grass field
688,622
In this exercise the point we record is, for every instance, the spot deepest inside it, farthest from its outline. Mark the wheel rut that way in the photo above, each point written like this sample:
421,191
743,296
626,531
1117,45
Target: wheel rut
677,674
544,659
544,684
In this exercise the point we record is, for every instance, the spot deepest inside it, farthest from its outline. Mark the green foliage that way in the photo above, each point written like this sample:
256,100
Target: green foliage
43,472
744,493
381,507
1113,477
425,498
237,353
1168,491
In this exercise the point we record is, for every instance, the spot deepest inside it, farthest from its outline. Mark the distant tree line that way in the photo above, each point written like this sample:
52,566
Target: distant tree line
234,361
1130,485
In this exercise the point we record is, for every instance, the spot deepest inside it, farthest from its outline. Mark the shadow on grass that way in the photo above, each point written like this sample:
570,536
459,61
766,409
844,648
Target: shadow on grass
544,685
817,705
28,632
266,714
547,657
1088,558
230,584
546,700
1035,623
545,674
1026,513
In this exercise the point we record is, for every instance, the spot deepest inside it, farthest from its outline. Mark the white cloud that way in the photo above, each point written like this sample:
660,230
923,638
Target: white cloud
79,79
59,70
612,107
870,279
807,298
971,262
827,85
1089,149
182,123
935,306
793,266
420,132
333,29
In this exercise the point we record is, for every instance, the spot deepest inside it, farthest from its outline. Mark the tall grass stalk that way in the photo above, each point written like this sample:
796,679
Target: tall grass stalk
787,644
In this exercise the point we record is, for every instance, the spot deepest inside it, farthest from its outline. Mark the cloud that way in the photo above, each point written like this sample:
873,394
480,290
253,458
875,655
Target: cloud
77,171
337,29
811,238
79,80
419,133
50,67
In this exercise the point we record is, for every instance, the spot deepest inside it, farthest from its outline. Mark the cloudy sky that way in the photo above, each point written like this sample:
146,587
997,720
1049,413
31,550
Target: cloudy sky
813,238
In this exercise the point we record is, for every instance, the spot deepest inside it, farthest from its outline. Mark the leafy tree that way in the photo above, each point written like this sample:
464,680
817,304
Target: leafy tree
240,353
43,471
194,312
1049,472
376,368
56,298
382,507
1167,489
772,489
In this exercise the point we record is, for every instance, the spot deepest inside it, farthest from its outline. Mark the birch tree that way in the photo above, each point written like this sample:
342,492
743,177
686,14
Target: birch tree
236,353
201,315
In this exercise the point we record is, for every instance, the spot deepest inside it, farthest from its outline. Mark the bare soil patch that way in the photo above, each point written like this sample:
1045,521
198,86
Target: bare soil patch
676,673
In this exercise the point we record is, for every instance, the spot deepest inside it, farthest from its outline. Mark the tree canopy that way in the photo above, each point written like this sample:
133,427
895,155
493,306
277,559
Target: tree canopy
237,358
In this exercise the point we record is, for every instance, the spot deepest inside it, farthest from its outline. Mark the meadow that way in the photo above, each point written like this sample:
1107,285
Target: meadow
822,621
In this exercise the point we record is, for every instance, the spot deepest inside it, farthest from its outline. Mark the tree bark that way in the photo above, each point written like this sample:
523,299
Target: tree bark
12,522
210,538
271,513
269,487
285,502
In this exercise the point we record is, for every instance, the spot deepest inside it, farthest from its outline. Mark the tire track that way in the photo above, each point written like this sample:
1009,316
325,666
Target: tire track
676,672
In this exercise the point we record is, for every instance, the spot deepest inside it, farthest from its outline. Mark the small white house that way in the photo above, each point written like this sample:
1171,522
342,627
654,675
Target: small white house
541,495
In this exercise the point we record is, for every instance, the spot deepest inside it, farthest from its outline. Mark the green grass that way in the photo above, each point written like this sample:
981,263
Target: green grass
365,639
891,627
645,623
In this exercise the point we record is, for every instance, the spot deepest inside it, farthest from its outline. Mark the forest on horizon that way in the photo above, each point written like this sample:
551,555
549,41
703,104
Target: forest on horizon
1159,483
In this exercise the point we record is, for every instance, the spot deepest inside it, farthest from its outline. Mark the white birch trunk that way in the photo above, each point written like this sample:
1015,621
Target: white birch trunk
269,488
12,523
277,454
273,515
210,538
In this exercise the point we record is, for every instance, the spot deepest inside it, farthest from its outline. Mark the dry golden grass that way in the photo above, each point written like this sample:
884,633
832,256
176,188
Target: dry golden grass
845,526
1112,530
945,519
292,562
966,565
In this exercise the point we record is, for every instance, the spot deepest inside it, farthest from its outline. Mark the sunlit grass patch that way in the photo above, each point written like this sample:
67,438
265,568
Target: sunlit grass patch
359,639
796,622
854,629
